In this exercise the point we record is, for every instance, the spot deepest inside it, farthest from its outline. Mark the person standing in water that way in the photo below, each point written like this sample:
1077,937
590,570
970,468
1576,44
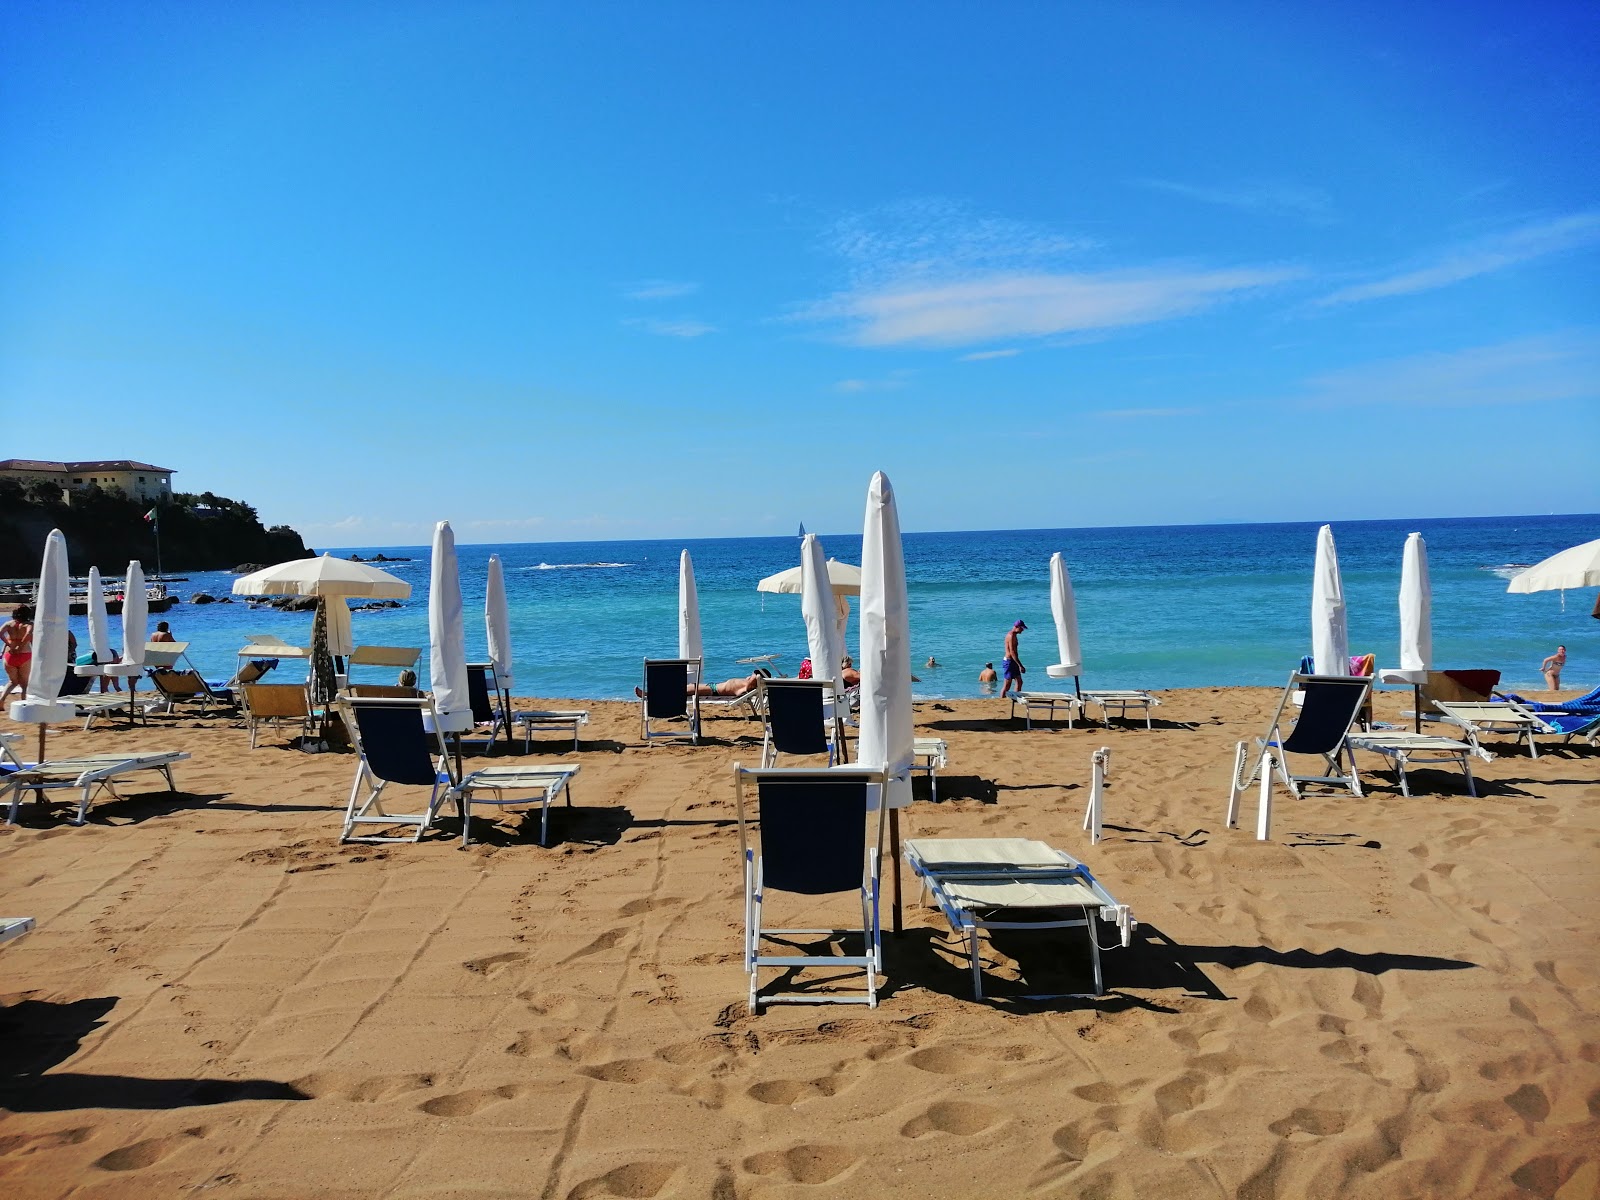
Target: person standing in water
1014,667
1551,667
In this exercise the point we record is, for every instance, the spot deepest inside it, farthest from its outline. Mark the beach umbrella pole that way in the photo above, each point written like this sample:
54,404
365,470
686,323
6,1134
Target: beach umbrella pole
894,854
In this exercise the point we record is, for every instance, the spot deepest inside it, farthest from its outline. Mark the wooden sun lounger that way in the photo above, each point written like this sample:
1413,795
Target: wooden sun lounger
91,773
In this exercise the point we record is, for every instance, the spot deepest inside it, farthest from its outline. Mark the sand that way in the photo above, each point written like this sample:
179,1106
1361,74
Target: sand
1396,998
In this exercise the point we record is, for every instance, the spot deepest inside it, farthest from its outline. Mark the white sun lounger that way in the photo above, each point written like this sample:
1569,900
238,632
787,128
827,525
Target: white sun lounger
930,755
555,718
1419,749
1048,701
90,773
1478,718
14,927
1122,701
978,882
546,783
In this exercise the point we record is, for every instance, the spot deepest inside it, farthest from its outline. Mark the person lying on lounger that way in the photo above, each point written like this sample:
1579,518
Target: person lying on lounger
727,688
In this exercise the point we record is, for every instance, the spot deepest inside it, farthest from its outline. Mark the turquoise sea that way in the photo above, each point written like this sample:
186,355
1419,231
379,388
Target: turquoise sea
1159,606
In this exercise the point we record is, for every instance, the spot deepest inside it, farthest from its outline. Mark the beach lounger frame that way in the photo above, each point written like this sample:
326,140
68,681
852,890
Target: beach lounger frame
1330,705
1123,700
398,741
12,928
549,719
983,884
489,785
1047,701
1478,719
90,774
180,686
815,832
1406,750
491,705
930,755
664,696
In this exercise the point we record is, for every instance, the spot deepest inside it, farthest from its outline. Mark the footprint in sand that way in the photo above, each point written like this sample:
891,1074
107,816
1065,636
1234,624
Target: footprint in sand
493,964
959,1117
1317,1122
958,1060
605,941
464,1104
372,1089
1529,1102
803,1164
146,1153
28,1143
636,1181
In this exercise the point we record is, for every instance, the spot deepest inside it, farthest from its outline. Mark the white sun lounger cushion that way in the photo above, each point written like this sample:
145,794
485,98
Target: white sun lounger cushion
931,748
1005,873
1118,697
1379,742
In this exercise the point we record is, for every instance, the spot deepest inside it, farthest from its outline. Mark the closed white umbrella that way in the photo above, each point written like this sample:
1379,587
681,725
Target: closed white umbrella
447,638
1416,607
99,634
497,622
135,625
1416,622
1330,639
886,738
341,638
1577,567
689,643
1064,607
824,640
41,702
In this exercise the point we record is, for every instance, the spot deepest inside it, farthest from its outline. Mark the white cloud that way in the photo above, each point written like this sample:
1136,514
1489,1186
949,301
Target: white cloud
1279,199
988,307
679,327
659,289
985,355
1554,368
1480,257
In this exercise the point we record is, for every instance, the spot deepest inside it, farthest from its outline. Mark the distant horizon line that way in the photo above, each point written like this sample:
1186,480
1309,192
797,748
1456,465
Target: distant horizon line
778,537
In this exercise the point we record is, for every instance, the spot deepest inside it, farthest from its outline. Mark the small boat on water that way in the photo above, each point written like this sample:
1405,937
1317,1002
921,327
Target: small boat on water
156,597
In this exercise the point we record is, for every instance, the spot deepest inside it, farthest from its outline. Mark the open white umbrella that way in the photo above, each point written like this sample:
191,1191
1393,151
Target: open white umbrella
41,702
1577,567
324,576
1064,607
844,579
497,627
99,634
447,639
689,643
824,638
1330,639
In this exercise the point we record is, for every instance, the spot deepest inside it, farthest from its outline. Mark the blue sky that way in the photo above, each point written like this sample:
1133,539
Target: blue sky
571,272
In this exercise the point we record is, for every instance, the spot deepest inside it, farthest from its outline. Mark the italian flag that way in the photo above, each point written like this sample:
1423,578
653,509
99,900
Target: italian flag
151,516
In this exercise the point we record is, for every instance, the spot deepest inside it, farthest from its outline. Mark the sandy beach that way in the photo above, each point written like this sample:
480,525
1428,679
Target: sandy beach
1396,998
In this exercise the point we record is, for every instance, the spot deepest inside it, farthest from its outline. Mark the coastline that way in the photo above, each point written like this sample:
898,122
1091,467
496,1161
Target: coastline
1396,997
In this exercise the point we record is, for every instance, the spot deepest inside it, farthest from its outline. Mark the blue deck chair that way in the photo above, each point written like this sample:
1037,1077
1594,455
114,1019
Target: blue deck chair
399,742
814,833
490,704
1330,707
796,719
665,697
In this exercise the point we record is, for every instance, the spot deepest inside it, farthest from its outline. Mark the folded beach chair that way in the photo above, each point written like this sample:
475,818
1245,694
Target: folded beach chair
1418,749
665,697
490,705
1048,702
182,687
930,755
1482,718
813,833
398,742
797,720
549,718
1331,704
538,785
272,703
1014,883
91,774
1122,701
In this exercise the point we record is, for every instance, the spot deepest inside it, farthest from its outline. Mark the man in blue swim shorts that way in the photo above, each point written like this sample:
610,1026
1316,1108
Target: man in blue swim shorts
1013,665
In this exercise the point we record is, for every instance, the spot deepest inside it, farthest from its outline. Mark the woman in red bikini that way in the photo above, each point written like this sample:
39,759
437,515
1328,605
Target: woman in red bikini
17,637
